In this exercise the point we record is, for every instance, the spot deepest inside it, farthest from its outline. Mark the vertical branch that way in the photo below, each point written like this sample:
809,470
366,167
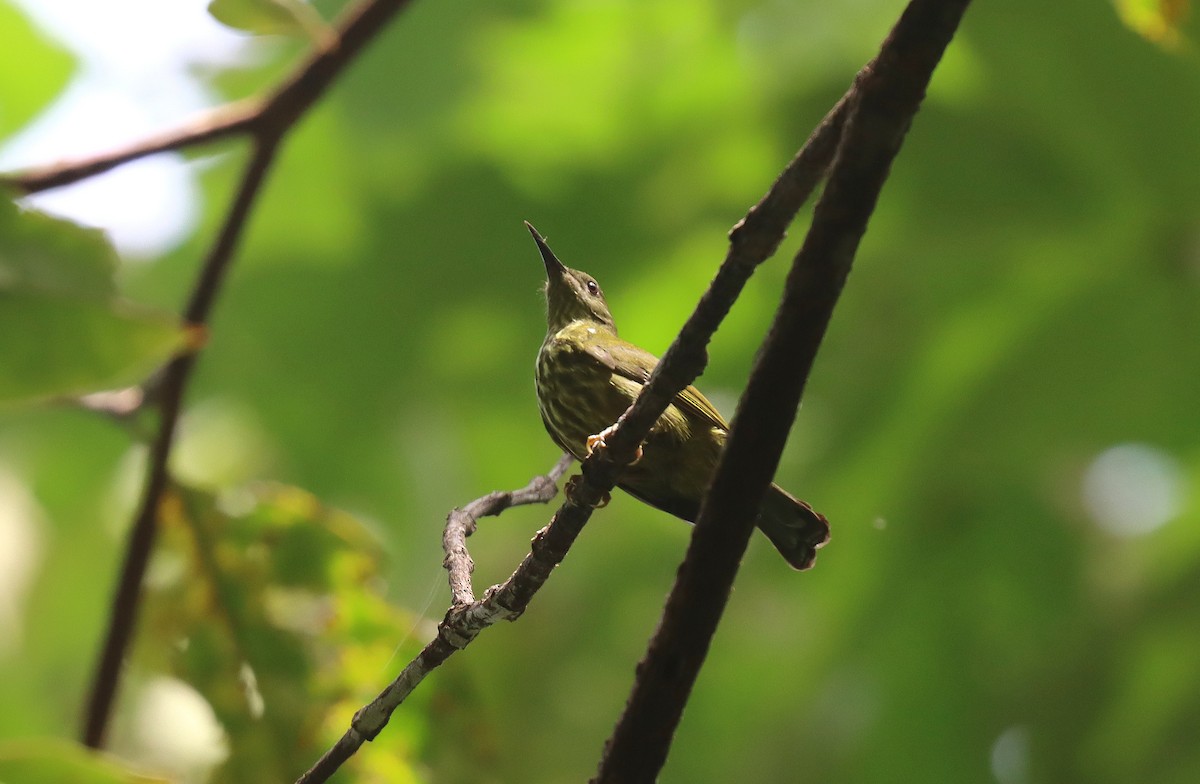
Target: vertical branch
888,93
266,122
123,613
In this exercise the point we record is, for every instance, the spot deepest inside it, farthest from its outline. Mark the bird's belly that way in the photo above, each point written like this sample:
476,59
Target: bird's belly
576,396
673,474
579,397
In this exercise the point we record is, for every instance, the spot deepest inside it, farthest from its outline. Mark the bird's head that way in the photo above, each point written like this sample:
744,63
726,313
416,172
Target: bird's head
571,295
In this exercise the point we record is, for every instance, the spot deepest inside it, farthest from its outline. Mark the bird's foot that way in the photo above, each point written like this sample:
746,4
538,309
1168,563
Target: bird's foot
569,491
598,440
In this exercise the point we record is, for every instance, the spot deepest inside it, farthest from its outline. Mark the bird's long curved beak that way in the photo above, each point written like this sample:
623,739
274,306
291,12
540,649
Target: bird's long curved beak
554,267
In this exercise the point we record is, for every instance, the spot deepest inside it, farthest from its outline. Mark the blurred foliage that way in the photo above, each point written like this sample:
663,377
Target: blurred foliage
32,70
64,332
50,761
1156,20
273,17
279,624
1027,299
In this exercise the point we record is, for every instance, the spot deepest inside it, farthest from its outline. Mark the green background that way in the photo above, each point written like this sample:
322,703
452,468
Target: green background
1027,297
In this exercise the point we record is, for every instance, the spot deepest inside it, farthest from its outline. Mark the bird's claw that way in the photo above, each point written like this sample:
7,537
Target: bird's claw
598,441
569,491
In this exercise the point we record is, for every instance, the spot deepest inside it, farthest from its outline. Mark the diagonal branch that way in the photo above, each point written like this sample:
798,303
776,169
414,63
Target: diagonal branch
753,240
888,92
267,122
460,524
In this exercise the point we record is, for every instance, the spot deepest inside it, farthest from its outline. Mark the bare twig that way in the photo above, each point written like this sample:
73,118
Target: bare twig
266,122
452,634
887,93
355,30
460,524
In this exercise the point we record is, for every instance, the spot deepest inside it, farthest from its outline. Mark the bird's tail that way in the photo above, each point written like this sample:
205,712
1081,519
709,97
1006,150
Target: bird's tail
793,527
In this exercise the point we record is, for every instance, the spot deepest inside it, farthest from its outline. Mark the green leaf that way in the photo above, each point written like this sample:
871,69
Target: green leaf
64,331
294,18
57,346
51,761
49,254
32,70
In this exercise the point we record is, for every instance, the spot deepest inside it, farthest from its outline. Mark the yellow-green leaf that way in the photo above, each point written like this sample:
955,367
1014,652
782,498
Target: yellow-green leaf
1158,21
274,17
33,69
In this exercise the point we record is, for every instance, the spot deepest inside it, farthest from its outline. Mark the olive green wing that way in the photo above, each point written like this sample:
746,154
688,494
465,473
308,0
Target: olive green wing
636,364
691,399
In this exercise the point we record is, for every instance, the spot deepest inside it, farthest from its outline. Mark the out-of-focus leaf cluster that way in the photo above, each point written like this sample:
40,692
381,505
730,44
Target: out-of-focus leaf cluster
272,606
65,332
53,761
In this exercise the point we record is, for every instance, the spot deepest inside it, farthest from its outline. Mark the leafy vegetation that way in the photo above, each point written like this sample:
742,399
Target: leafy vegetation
1005,596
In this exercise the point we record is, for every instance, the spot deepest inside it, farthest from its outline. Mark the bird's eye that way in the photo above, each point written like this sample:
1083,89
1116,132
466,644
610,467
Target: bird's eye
593,288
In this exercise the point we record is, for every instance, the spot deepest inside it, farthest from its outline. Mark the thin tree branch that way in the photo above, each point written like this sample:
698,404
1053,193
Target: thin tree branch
460,524
888,92
267,122
754,239
357,28
123,614
224,121
462,624
255,116
452,635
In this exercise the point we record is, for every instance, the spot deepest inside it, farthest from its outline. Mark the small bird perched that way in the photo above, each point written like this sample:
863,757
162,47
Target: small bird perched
587,377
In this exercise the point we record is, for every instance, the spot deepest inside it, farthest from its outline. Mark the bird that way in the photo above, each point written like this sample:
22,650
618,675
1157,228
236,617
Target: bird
586,377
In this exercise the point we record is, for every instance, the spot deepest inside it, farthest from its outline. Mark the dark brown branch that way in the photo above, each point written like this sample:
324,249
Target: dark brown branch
887,94
357,28
267,122
220,123
123,614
